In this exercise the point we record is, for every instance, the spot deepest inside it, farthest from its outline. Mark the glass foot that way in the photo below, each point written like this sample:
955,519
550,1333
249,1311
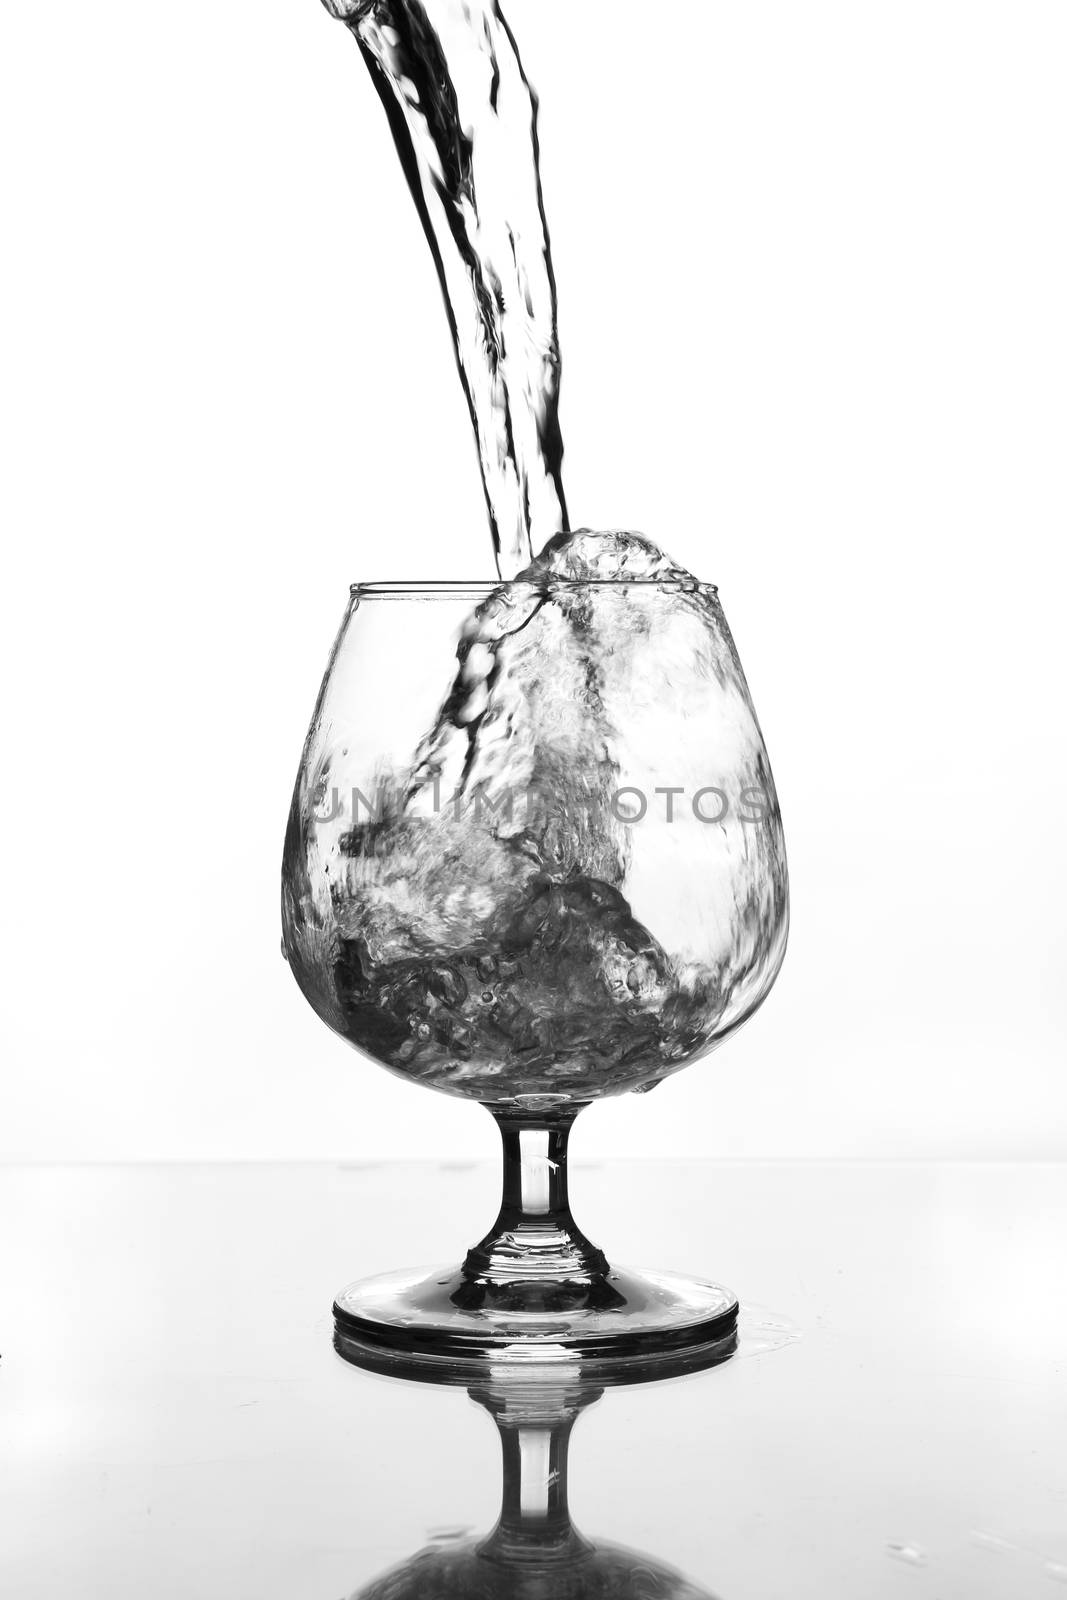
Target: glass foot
535,1291
623,1320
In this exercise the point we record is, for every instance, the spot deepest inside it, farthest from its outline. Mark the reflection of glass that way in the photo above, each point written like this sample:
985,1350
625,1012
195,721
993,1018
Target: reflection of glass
534,1552
559,877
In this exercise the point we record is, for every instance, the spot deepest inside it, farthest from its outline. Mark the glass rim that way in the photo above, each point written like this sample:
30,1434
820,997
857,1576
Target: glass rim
482,588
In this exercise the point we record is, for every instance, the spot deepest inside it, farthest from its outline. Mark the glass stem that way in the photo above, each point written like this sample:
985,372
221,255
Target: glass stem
535,1237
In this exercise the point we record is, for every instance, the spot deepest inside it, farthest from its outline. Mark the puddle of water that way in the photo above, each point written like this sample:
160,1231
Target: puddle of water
760,1331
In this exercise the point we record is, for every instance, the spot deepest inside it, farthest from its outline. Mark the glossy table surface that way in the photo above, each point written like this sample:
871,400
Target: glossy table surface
174,1421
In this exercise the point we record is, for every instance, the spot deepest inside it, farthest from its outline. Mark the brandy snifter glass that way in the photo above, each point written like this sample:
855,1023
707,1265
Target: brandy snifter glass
535,858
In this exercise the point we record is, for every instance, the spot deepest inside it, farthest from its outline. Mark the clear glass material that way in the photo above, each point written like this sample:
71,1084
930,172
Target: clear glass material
535,858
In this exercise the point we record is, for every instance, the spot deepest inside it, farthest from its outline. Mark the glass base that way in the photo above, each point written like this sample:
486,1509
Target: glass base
448,1322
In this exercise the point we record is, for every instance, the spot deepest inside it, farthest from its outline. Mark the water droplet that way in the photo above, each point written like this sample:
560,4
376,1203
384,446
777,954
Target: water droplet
911,1554
992,1541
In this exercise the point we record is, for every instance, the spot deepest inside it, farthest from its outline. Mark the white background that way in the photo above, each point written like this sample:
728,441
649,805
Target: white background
812,262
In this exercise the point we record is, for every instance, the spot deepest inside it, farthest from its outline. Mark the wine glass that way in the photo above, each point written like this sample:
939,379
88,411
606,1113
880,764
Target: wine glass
535,858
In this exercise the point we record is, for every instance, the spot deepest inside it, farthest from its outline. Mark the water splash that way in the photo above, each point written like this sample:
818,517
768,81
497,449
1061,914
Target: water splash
476,930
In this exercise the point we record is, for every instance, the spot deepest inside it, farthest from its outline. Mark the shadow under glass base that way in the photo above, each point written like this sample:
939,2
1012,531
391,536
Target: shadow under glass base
535,1290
